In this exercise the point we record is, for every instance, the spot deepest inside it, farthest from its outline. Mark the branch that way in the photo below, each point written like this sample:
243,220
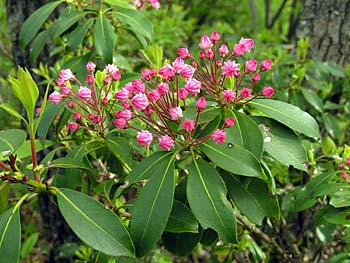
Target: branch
277,15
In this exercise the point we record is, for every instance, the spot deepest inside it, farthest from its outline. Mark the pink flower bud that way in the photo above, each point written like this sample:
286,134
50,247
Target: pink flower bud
215,37
152,72
122,94
166,142
209,54
106,79
219,63
77,116
229,122
66,90
344,175
347,161
129,87
256,77
188,125
205,43
248,43
90,116
163,88
178,64
90,79
238,50
155,4
183,93
153,96
183,52
144,138
73,126
223,50
219,136
231,68
250,66
341,166
201,55
70,104
120,123
60,82
84,93
126,114
187,71
201,104
116,75
139,101
193,86
126,105
145,74
266,65
90,66
175,113
55,97
111,68
167,72
138,86
104,100
148,110
246,93
66,74
97,119
268,92
229,96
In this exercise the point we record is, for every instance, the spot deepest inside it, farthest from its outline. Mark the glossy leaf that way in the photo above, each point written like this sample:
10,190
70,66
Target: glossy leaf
289,115
206,193
246,134
10,235
341,198
312,98
104,38
26,91
10,141
208,114
76,37
38,45
181,219
120,148
97,226
331,123
180,244
252,197
282,143
68,163
4,196
232,158
48,116
153,206
25,149
33,24
64,22
137,21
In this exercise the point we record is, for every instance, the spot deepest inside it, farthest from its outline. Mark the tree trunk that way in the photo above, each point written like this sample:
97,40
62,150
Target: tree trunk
327,23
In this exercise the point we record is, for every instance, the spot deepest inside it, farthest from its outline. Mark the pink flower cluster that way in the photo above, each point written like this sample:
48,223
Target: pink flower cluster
165,105
344,168
154,3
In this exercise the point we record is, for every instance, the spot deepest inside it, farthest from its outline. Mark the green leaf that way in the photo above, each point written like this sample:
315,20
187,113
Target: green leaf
180,244
4,196
11,110
76,37
313,99
208,114
26,91
181,219
153,207
68,163
94,224
28,245
206,193
120,3
47,118
25,149
33,24
289,115
10,141
246,134
232,158
252,197
341,198
328,146
104,38
38,44
64,22
137,21
10,235
331,123
120,148
282,143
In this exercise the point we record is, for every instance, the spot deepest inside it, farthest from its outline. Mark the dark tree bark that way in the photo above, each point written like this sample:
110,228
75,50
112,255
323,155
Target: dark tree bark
327,23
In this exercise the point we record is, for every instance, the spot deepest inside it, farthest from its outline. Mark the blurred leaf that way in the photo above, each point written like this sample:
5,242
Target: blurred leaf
252,198
38,44
341,198
10,235
120,3
180,244
33,24
331,123
95,225
206,193
181,219
25,150
289,115
232,158
4,195
282,143
328,146
137,21
153,207
313,99
68,163
28,245
104,38
10,141
11,110
208,237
